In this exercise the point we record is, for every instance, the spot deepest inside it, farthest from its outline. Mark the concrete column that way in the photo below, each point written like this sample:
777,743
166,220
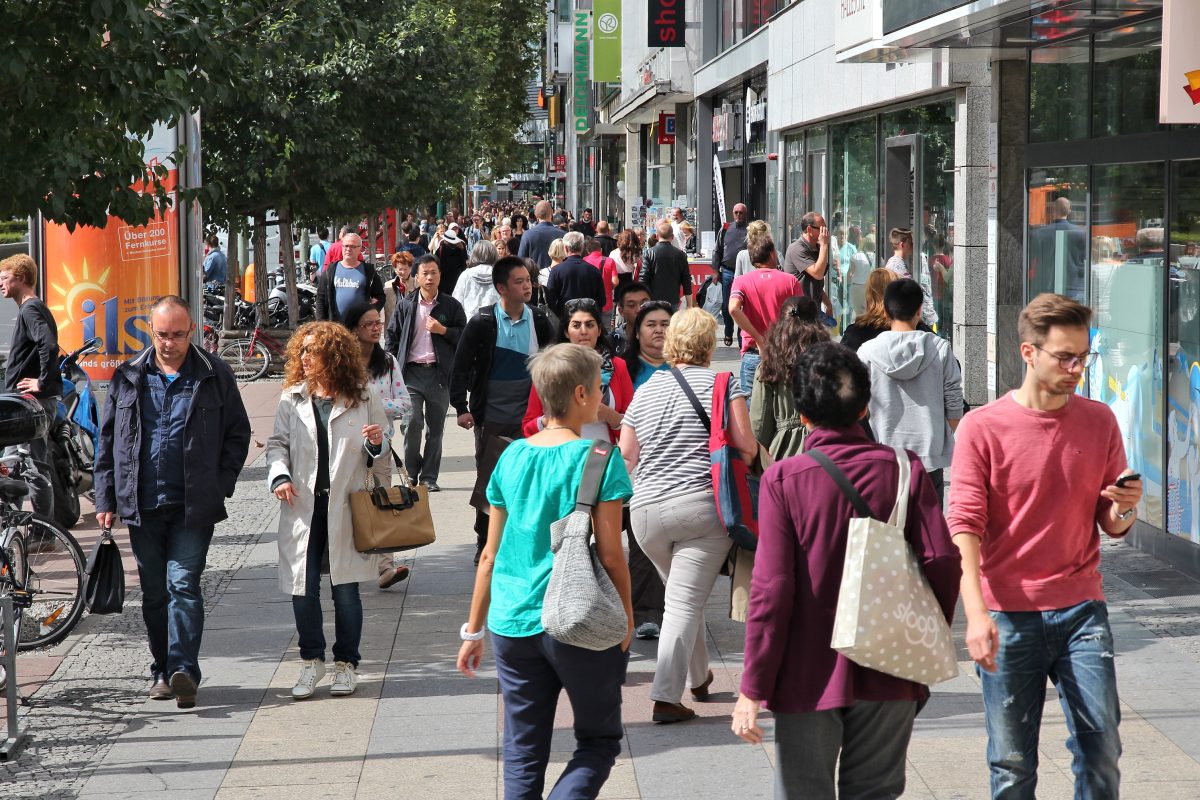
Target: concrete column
704,171
1013,110
633,172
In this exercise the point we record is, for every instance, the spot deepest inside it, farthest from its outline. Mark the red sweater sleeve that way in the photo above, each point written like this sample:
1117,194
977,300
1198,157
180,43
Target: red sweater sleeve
969,492
533,410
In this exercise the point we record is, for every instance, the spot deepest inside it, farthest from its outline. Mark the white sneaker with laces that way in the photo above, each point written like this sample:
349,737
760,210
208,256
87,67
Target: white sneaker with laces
310,675
345,679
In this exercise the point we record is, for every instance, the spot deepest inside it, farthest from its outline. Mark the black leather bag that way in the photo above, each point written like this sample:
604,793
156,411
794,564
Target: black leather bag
104,587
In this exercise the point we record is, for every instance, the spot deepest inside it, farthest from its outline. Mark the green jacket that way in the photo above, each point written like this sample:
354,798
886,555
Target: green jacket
775,421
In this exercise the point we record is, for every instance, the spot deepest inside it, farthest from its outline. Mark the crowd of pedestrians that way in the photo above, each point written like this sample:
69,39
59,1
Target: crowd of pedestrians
551,336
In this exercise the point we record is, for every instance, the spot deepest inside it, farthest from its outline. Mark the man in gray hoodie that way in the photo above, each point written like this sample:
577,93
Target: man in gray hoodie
916,384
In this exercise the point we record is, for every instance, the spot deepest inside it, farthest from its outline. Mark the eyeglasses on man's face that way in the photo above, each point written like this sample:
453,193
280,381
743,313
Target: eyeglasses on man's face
172,336
1070,361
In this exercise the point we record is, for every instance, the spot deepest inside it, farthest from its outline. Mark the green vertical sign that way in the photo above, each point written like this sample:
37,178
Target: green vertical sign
582,96
606,48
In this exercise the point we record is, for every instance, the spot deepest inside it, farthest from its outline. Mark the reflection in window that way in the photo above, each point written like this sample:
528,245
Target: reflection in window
793,188
1126,72
1058,93
1058,244
853,170
1183,357
1127,283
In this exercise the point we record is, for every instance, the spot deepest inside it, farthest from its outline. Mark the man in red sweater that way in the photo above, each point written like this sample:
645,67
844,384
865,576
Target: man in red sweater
1034,481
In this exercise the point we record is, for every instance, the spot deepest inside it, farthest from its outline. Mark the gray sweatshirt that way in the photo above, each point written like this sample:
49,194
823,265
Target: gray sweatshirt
916,387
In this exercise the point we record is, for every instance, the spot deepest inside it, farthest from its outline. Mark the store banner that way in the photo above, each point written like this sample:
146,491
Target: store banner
1179,83
582,97
666,23
606,38
103,281
719,188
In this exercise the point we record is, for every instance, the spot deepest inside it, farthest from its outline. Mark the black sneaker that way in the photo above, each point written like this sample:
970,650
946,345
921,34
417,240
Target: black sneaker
431,486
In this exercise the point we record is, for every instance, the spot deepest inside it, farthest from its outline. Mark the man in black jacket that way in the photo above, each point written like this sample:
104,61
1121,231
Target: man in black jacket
490,364
665,270
172,444
423,333
604,236
347,282
574,278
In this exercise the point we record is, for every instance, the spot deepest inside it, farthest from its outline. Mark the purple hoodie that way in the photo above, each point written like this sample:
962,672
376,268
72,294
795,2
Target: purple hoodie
803,519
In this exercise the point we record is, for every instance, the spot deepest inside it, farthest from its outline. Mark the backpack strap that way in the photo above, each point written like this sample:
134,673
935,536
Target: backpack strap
593,473
843,483
691,396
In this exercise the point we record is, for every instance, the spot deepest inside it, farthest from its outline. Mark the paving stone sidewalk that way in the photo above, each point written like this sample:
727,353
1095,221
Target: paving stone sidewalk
417,729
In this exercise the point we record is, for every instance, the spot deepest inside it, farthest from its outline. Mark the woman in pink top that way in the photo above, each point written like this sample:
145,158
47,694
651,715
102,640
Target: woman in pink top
755,300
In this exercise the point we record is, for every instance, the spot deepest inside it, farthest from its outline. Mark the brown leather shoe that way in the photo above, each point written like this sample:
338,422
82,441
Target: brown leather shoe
392,576
159,690
672,712
183,686
701,692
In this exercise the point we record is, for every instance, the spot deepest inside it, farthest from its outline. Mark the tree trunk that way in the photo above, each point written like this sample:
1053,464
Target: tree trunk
387,236
260,268
234,273
372,229
289,268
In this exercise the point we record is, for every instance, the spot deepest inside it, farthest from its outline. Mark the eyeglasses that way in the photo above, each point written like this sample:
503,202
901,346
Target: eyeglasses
368,325
661,305
1070,360
352,247
177,336
582,303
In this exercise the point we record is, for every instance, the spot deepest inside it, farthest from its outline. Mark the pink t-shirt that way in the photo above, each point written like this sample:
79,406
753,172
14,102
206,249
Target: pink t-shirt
763,292
1028,484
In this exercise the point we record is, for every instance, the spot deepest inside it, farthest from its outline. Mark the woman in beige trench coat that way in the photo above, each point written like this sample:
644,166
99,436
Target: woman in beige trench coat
328,421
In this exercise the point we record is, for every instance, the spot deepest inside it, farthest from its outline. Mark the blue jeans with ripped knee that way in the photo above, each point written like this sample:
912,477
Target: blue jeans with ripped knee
1073,647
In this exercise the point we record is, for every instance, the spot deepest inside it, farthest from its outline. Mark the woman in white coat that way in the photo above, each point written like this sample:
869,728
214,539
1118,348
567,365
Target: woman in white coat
327,423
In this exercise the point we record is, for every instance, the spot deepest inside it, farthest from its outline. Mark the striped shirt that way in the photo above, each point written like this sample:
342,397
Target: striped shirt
673,455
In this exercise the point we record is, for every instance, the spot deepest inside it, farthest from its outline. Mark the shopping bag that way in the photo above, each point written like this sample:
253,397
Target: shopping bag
888,618
104,587
390,519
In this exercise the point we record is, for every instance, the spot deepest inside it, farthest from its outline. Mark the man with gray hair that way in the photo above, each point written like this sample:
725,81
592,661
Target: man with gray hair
665,269
574,278
535,243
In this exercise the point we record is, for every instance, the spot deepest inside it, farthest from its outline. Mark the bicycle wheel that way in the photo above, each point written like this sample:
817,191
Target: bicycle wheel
12,575
54,573
248,360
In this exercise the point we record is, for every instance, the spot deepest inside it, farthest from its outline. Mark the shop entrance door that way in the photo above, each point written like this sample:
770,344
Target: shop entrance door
756,196
902,194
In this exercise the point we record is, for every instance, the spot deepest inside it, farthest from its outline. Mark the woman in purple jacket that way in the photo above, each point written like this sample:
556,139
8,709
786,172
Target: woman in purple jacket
824,704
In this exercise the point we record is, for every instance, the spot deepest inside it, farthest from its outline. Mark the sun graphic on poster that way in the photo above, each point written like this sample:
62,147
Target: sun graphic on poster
70,298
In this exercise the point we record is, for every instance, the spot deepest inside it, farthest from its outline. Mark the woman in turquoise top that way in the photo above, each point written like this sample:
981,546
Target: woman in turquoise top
535,484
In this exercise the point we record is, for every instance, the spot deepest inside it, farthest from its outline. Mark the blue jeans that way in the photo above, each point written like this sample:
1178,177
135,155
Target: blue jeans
750,361
347,605
533,670
170,559
726,288
1073,647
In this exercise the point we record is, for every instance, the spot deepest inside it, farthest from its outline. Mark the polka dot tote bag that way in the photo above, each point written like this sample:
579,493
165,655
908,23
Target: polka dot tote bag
887,616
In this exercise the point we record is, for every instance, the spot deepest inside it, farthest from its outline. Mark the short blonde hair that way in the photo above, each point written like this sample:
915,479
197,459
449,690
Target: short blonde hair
691,337
558,250
558,371
21,266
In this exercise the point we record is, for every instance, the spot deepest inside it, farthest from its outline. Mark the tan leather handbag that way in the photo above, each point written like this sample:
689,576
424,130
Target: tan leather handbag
389,519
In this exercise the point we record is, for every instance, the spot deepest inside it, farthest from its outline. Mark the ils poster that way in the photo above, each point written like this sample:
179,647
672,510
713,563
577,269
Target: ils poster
102,281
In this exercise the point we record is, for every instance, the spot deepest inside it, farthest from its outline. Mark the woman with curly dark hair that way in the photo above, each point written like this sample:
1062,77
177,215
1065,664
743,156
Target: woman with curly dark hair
327,423
773,416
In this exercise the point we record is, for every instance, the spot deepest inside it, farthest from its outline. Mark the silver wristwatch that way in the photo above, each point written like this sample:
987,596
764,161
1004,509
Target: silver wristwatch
1127,514
471,637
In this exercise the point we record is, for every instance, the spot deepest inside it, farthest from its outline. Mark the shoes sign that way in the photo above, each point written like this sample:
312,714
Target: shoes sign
666,23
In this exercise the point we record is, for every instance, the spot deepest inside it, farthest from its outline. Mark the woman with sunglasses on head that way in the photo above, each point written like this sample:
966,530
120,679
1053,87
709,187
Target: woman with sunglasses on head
386,376
644,352
582,323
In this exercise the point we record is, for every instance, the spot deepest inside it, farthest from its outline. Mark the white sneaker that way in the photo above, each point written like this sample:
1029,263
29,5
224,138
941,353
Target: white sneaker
344,679
310,675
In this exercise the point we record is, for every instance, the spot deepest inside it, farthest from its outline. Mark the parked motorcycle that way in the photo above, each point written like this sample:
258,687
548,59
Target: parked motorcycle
277,303
73,436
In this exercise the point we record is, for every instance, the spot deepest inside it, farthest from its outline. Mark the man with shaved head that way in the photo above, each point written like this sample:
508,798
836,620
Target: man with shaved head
347,282
535,243
730,241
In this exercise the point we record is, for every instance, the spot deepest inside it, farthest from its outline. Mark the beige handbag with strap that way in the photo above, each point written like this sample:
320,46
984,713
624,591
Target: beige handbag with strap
389,519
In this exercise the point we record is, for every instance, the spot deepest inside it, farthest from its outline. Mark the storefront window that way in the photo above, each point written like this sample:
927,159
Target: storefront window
1057,235
1126,74
793,188
1183,356
1127,256
853,184
740,18
1058,93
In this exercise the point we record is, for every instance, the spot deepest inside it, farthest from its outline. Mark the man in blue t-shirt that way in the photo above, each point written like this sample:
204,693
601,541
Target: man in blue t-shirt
347,282
316,253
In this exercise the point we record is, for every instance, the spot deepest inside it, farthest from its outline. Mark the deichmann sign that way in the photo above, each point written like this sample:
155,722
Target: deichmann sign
606,55
666,23
583,95
1179,86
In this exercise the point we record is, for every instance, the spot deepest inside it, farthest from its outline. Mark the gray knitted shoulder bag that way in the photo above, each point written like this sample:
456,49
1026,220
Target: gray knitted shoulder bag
582,607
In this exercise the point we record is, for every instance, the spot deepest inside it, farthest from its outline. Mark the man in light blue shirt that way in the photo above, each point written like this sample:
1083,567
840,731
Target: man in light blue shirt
216,265
316,253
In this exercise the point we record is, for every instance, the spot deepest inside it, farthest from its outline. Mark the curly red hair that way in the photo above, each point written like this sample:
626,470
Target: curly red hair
338,363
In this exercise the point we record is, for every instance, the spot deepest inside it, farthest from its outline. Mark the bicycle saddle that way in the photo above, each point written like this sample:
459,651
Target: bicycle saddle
12,490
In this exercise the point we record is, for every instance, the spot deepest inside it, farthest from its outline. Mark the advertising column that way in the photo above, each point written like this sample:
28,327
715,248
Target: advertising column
102,281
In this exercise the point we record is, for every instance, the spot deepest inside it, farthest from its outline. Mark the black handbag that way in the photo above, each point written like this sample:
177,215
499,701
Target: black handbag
104,587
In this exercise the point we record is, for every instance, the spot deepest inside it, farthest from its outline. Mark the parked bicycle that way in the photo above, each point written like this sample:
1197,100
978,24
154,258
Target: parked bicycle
250,358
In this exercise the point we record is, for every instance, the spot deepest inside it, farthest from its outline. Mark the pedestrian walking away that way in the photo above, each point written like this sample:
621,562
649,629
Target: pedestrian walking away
423,336
535,484
831,714
328,422
773,416
665,270
758,297
535,243
574,278
172,444
674,514
1035,473
874,320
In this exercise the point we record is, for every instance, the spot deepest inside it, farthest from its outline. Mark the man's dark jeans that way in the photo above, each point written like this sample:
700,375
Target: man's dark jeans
170,559
726,288
347,605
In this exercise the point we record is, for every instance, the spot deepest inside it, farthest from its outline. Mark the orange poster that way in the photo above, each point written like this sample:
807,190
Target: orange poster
102,282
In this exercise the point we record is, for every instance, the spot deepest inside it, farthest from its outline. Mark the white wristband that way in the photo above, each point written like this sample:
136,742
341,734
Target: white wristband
471,637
